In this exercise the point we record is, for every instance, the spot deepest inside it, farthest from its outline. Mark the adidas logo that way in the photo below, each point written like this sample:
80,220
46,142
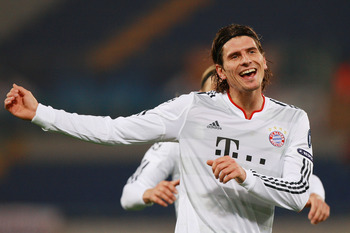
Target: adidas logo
214,125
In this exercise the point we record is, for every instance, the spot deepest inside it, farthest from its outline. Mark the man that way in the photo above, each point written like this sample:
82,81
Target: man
148,184
241,153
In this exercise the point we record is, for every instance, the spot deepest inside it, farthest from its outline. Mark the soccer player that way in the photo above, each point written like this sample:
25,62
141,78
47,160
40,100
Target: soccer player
148,184
241,152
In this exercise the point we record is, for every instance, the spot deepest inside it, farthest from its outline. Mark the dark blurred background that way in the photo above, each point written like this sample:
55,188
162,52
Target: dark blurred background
120,57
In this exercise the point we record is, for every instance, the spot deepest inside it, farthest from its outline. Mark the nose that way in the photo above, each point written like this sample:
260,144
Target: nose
245,59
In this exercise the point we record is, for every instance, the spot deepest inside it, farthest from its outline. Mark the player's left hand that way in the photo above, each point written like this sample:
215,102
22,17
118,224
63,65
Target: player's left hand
226,168
319,209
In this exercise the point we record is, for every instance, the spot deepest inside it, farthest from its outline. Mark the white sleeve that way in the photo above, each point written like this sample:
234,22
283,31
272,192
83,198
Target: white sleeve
161,123
158,164
291,191
316,186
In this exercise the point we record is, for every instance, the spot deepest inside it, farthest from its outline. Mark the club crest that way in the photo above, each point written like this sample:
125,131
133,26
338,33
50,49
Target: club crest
277,138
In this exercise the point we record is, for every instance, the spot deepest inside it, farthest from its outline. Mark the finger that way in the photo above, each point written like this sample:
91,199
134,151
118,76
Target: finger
13,92
172,186
312,211
210,162
229,177
224,172
216,170
176,182
167,197
169,191
315,218
324,213
21,90
318,212
165,191
10,93
9,102
159,201
9,99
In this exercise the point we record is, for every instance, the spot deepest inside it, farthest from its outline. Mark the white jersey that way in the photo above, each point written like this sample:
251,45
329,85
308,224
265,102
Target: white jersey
316,186
274,147
161,161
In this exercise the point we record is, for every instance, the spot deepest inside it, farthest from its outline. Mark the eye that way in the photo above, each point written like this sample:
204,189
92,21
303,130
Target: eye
252,51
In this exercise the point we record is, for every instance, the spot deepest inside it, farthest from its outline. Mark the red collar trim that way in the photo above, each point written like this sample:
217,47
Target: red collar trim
245,115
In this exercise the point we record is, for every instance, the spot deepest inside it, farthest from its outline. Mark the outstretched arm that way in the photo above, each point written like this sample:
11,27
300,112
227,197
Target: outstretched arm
21,103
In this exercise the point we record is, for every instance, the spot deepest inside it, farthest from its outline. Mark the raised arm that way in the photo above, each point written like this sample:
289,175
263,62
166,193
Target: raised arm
21,103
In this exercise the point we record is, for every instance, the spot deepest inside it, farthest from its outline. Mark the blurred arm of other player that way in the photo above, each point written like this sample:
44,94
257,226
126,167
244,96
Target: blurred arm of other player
148,185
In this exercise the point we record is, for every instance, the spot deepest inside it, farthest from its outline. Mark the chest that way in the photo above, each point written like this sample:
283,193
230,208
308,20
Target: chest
259,144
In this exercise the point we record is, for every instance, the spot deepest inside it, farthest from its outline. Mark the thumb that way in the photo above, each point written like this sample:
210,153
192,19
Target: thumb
176,182
210,162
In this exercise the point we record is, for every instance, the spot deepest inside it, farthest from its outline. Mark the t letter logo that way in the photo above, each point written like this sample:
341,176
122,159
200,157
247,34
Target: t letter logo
227,142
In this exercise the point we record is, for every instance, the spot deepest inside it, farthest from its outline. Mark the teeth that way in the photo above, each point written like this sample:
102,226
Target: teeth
247,71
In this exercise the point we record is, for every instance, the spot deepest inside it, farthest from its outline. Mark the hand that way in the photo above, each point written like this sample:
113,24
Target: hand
226,168
21,103
319,211
162,194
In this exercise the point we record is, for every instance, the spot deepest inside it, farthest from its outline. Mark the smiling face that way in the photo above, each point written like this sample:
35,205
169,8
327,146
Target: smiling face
243,65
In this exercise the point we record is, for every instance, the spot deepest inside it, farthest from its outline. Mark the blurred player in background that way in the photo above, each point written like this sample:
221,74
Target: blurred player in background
148,184
241,153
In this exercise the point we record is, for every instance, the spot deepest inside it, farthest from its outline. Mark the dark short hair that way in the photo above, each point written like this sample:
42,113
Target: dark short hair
222,36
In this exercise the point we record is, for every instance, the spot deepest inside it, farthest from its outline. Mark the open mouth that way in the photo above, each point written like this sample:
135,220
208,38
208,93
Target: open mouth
248,73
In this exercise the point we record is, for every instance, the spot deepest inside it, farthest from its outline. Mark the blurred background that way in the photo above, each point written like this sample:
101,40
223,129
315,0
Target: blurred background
120,57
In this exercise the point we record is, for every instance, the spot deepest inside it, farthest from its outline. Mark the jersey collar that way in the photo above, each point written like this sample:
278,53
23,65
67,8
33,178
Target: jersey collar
245,115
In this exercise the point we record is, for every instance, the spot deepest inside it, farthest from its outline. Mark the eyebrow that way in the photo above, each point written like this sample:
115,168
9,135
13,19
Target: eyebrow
247,49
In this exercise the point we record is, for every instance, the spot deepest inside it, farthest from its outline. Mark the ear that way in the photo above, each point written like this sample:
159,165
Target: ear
265,64
221,72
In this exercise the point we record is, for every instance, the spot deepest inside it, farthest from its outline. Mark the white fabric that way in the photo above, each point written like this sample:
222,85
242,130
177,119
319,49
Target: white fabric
274,147
316,186
159,162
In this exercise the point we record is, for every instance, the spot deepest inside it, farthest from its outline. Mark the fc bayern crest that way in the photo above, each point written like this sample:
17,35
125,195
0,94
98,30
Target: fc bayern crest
277,138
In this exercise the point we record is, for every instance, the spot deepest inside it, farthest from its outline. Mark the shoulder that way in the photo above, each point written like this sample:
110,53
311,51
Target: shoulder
209,97
277,103
281,105
209,94
287,110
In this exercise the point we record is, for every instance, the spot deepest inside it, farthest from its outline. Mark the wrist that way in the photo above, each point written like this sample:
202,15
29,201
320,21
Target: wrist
146,197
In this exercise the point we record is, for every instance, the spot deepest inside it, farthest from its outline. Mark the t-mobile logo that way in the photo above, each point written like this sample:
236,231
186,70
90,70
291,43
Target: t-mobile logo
227,142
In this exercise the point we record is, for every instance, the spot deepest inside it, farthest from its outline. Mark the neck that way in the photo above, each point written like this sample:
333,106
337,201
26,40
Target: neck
249,102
